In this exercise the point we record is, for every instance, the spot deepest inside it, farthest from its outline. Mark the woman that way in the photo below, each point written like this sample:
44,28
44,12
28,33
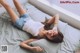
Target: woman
37,29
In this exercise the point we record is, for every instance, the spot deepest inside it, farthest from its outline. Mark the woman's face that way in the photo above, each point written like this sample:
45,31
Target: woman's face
50,34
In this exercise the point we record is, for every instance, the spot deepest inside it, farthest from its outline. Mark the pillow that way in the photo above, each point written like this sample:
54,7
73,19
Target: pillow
69,44
71,40
62,26
47,46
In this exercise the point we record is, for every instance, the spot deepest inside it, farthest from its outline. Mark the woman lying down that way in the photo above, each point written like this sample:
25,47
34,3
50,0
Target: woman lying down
39,30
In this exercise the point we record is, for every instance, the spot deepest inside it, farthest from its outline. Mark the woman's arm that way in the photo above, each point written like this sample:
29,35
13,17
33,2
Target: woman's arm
54,20
25,45
55,29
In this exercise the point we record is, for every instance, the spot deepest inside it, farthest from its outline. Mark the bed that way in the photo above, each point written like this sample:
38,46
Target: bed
11,36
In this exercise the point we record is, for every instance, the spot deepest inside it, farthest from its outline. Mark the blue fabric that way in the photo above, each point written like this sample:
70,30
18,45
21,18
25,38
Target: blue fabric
20,22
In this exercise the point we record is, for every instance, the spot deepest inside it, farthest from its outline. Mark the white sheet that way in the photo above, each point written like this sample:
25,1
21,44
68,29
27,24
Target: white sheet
71,40
12,37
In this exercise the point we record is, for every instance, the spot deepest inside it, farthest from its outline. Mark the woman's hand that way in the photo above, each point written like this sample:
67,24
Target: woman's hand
55,29
37,49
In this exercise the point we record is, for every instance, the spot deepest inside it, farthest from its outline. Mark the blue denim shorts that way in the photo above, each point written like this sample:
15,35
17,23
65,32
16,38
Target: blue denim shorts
19,23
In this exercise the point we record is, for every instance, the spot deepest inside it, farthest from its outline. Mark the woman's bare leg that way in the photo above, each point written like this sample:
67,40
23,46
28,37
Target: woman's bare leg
9,10
19,7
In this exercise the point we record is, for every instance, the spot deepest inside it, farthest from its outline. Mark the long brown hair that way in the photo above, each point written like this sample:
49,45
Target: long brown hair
57,38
